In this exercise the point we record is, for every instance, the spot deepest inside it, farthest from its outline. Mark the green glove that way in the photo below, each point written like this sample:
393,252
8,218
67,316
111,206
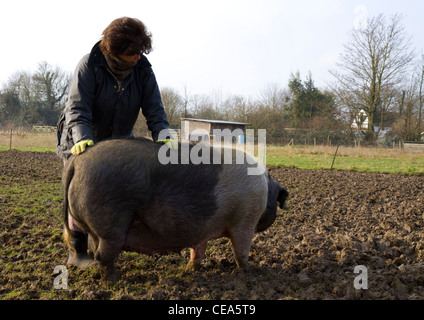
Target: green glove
79,147
171,144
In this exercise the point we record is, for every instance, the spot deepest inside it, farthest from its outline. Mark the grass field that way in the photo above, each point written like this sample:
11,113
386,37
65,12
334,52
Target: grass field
41,142
348,158
303,157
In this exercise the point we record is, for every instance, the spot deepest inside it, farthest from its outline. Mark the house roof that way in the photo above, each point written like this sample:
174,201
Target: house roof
217,121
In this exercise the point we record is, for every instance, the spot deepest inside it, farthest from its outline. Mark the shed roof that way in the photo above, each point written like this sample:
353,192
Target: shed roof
217,121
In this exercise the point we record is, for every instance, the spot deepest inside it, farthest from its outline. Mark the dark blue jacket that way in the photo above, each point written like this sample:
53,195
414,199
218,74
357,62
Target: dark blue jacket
98,107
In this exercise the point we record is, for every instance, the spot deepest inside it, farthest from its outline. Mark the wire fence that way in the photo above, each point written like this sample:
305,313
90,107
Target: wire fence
45,137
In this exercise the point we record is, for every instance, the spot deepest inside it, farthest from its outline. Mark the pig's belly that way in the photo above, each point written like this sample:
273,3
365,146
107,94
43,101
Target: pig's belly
142,239
147,248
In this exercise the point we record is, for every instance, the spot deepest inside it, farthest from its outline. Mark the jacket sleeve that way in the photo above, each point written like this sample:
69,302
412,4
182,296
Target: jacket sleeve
152,106
79,106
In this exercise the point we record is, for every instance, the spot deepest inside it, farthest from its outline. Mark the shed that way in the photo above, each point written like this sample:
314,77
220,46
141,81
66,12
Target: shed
193,129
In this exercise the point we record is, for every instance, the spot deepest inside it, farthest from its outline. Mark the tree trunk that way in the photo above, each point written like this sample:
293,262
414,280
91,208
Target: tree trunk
370,135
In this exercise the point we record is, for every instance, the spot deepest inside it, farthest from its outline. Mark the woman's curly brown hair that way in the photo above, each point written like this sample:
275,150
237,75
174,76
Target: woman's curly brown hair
127,36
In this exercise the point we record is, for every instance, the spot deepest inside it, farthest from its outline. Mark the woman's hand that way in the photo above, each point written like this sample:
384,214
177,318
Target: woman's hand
79,147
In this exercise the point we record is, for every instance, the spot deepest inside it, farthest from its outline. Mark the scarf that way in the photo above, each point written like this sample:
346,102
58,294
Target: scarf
120,69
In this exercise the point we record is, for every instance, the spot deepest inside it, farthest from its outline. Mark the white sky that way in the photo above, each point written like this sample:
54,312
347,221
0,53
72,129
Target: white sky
226,46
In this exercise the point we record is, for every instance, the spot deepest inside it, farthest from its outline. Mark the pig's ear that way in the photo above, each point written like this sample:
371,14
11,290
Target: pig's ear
282,197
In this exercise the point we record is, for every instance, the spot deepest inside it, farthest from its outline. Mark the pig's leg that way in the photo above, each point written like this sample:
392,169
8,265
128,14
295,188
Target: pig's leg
107,251
93,243
197,253
241,239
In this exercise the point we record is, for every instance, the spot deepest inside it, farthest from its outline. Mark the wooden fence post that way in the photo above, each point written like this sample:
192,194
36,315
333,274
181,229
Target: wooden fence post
334,158
10,141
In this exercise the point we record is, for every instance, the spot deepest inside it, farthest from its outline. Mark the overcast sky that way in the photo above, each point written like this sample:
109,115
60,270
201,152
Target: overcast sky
227,46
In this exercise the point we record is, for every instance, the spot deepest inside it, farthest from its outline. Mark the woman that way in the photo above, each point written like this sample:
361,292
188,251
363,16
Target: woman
109,87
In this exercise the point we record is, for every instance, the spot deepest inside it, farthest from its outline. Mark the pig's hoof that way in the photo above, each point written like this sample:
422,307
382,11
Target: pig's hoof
110,276
82,261
192,266
110,279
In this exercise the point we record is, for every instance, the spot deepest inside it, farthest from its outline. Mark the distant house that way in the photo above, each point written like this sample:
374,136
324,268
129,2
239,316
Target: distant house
195,129
360,123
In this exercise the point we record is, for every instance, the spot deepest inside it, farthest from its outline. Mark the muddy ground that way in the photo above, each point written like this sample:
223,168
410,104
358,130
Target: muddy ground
337,221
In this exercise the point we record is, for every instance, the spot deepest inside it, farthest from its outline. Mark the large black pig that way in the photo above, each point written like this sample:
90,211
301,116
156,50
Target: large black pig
125,199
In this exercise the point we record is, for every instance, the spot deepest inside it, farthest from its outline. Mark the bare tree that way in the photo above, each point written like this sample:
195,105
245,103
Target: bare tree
372,67
50,85
420,95
186,100
237,108
205,107
36,98
173,104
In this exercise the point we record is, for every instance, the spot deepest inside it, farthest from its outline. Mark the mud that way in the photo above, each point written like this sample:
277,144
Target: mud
338,222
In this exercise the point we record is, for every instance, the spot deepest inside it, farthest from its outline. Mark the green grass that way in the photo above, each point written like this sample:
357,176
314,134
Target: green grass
348,158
